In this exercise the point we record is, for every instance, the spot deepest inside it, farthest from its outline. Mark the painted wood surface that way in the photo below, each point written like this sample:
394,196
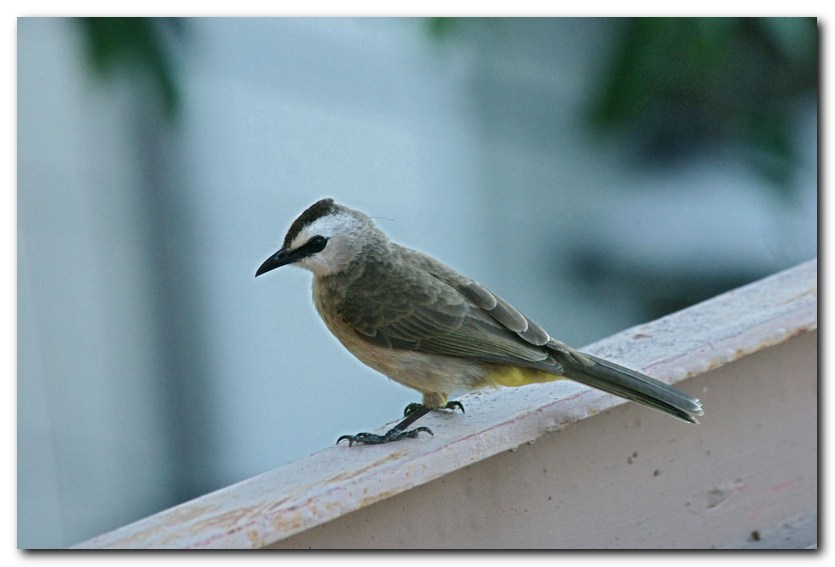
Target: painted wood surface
343,484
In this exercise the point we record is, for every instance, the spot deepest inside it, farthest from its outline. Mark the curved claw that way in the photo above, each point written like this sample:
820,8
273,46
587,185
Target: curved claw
350,439
366,438
453,405
412,408
414,432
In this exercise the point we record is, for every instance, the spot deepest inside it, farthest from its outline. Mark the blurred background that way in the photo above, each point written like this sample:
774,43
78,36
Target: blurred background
597,173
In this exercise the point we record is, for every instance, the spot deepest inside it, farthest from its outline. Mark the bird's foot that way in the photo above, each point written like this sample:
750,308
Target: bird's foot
393,434
412,413
413,407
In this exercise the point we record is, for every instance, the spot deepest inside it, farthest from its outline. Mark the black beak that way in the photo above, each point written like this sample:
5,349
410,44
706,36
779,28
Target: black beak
280,258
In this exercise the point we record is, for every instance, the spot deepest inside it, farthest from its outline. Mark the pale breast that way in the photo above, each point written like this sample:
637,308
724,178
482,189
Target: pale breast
427,373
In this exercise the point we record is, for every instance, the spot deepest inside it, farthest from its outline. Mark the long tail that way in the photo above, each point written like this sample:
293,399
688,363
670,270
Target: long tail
632,385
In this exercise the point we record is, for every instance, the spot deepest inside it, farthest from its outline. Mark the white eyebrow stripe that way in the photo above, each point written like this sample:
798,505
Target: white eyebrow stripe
326,226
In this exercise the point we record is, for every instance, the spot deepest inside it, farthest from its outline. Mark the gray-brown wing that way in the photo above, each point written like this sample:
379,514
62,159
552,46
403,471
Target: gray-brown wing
427,307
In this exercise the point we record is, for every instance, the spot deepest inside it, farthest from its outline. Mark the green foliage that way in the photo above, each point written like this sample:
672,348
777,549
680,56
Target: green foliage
676,86
114,44
440,28
679,84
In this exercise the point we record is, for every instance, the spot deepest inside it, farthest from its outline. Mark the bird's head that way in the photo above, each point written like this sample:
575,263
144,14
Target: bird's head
324,239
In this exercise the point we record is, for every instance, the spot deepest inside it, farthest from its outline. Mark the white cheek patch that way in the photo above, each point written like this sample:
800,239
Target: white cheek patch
318,264
339,251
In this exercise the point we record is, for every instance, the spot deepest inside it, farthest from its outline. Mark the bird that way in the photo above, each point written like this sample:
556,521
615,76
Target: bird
424,325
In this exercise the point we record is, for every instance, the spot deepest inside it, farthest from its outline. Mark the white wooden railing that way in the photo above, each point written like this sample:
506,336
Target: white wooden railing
563,466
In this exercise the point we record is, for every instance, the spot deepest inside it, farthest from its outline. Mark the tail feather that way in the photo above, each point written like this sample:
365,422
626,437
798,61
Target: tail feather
632,385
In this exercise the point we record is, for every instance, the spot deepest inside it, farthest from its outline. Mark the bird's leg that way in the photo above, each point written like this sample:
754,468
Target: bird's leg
414,406
413,412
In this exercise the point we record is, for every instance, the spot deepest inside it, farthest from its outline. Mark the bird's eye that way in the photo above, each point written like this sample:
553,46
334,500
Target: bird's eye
316,244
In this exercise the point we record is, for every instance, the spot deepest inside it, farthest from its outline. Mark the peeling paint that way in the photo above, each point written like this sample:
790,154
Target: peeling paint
378,497
355,473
